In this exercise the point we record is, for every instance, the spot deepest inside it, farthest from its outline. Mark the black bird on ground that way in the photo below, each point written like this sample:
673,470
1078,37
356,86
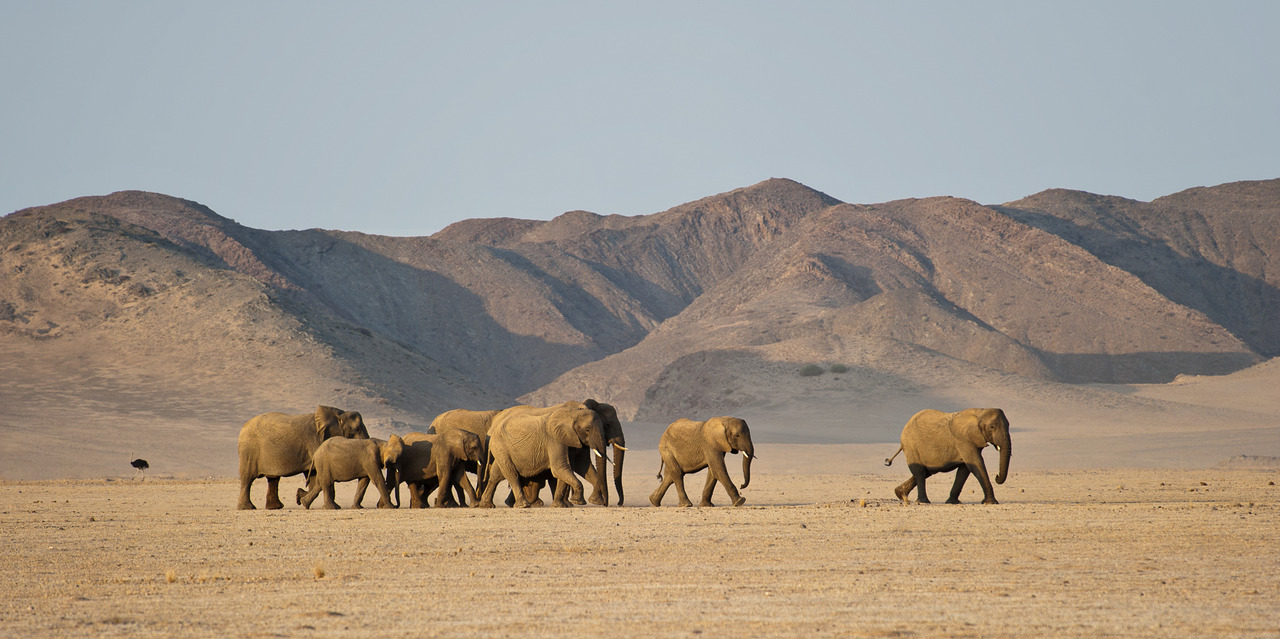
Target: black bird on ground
142,466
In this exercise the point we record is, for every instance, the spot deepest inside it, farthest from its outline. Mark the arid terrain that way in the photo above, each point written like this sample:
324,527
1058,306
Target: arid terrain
1132,345
1082,553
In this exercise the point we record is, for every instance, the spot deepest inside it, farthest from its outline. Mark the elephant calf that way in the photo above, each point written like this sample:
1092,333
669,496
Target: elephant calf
340,459
688,447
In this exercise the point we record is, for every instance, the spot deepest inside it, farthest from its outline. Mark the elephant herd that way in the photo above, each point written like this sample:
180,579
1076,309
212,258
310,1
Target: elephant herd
529,447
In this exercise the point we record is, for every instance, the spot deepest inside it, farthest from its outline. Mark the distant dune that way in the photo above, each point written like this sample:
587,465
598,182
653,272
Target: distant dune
1113,331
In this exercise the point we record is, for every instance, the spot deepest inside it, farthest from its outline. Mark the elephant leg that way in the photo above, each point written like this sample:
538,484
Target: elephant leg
533,492
329,503
490,486
570,482
684,497
415,495
460,479
655,498
246,482
599,480
962,475
361,486
707,489
313,491
903,491
273,494
919,473
988,491
716,471
512,475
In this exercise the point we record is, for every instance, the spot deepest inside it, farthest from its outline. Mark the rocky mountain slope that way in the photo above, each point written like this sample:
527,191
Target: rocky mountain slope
150,308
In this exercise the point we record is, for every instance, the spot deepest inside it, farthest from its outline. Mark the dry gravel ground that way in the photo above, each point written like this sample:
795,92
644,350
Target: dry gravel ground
1079,553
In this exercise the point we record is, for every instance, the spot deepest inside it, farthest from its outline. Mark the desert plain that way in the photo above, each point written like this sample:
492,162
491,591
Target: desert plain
1067,553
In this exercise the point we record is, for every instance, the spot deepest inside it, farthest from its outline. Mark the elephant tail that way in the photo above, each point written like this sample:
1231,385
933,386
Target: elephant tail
660,465
889,461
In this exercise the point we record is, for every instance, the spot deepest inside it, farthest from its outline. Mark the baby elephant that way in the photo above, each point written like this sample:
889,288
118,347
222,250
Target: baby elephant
340,459
688,447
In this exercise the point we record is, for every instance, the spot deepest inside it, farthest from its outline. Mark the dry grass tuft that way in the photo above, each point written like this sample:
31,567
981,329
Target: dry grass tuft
318,569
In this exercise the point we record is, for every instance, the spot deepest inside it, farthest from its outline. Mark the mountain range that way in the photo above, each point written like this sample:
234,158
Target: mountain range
138,310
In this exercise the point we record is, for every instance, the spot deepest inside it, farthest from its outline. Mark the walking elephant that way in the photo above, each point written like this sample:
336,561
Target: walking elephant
340,459
688,447
275,445
437,461
526,441
937,442
580,461
471,421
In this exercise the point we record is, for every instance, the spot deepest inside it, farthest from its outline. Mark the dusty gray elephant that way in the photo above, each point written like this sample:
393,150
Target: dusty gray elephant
275,445
688,447
937,442
340,459
526,441
471,421
438,461
580,461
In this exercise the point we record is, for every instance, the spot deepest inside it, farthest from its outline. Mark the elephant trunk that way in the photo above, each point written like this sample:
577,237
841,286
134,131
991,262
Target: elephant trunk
618,456
748,454
595,439
1005,451
393,483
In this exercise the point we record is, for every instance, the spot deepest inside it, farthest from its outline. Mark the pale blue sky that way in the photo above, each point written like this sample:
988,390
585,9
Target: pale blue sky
400,118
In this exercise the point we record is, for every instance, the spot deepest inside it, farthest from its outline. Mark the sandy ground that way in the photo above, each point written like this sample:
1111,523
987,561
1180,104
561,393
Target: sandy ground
1077,553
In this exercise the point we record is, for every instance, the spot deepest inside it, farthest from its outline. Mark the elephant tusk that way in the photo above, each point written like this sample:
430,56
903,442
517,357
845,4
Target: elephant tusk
621,447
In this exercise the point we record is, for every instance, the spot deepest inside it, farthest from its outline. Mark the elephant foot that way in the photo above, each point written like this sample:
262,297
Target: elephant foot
595,499
653,501
923,500
301,492
990,500
536,502
739,501
244,505
706,503
386,505
902,494
332,506
561,504
276,505
953,500
484,504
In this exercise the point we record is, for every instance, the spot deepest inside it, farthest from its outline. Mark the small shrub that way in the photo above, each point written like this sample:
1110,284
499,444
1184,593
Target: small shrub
839,368
811,370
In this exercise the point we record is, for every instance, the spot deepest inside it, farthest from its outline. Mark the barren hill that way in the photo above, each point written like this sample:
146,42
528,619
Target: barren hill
142,311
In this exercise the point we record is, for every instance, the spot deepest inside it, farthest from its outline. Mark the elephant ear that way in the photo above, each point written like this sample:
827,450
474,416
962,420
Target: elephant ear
560,426
326,416
591,404
968,426
716,431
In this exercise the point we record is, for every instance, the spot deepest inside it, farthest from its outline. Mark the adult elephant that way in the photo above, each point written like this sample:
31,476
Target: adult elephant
526,441
432,461
477,421
275,445
688,447
937,442
580,460
341,459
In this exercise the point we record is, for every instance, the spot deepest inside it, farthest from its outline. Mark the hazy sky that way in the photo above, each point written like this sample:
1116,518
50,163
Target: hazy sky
400,118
